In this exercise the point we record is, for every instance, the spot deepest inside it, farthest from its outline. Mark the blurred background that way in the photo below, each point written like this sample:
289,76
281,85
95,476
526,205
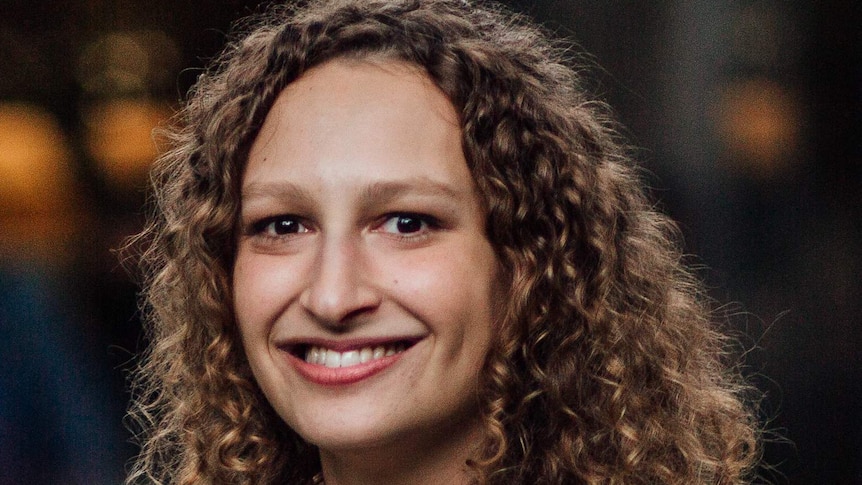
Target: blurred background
746,116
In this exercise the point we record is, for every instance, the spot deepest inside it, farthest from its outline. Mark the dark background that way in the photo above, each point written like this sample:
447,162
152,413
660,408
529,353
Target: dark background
746,116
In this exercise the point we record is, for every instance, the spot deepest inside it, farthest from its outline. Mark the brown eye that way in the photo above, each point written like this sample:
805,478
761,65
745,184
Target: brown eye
406,224
279,226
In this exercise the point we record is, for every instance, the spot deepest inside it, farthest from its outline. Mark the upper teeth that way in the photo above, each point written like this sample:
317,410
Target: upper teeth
333,358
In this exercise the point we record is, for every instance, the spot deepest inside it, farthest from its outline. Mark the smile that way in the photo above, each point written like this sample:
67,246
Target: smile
334,359
345,363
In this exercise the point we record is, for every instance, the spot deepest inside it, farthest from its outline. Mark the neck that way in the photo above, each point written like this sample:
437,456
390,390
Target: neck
441,459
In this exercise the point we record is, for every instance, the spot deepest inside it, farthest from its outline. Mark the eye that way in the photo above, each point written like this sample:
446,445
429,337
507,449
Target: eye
407,224
279,226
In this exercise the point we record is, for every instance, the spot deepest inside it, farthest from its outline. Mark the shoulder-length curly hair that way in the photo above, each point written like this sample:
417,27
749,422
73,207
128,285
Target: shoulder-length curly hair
606,369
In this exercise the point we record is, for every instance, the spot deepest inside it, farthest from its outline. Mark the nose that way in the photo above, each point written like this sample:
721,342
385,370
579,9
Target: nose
338,288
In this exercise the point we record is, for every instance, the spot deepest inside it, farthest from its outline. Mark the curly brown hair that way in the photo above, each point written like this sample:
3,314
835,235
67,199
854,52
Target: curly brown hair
606,369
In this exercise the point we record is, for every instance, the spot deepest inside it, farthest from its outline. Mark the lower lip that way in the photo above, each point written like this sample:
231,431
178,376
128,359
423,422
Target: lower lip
342,376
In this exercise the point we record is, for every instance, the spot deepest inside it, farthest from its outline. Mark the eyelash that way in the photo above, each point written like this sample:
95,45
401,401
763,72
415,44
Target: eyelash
427,223
260,228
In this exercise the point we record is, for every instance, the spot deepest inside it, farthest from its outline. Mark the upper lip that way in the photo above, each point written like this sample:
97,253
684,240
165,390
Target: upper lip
343,345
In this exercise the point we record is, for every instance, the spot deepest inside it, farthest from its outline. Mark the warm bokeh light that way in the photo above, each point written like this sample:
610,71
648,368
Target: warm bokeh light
128,63
37,202
120,139
34,161
122,74
759,123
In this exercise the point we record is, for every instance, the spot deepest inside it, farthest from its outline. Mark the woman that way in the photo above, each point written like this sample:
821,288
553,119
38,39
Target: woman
395,243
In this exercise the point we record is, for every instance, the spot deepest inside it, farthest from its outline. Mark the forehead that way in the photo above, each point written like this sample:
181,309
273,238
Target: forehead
360,86
369,118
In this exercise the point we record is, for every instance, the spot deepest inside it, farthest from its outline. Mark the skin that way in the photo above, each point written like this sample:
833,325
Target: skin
361,222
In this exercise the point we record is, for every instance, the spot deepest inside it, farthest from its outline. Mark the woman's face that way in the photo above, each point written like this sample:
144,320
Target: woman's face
364,284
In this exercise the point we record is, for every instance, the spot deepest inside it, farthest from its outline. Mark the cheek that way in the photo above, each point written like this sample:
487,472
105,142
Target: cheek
245,288
258,286
453,291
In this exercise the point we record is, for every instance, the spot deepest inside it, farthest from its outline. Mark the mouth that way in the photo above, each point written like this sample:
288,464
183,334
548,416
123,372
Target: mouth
333,356
332,364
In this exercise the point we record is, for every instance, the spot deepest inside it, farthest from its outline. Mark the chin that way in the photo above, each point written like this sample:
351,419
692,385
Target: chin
356,436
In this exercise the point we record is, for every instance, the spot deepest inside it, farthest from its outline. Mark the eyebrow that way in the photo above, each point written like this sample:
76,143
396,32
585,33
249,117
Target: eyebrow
421,186
281,190
380,191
